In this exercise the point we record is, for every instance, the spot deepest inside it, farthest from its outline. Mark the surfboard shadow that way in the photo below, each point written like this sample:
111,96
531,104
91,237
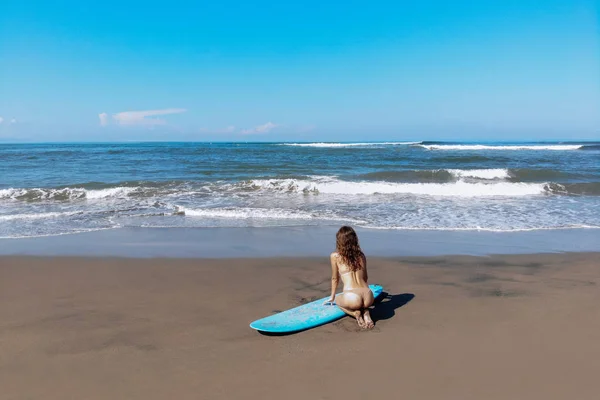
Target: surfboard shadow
386,305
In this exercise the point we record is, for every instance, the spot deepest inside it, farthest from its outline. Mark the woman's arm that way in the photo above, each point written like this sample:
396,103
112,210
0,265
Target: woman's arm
334,277
365,267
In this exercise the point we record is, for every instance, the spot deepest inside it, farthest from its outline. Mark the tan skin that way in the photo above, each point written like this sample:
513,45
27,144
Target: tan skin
356,297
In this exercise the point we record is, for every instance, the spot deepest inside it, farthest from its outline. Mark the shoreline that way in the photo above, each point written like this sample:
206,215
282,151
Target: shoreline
304,241
492,327
450,258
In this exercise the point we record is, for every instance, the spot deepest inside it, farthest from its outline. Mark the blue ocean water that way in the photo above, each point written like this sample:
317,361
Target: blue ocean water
53,189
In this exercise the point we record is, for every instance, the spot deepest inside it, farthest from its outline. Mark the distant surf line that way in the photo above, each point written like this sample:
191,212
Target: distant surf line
446,146
556,147
341,145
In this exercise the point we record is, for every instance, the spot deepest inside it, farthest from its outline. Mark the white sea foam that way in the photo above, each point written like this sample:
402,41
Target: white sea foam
342,145
245,213
116,192
65,193
499,147
458,189
73,232
41,194
8,193
483,229
46,215
496,173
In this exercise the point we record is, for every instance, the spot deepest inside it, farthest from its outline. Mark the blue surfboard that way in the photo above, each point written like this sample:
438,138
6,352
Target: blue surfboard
305,316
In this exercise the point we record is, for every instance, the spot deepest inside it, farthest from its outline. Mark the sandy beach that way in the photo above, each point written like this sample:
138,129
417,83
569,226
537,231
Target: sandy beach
518,327
171,173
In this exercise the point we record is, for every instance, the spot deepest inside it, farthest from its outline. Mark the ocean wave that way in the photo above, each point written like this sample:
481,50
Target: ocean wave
42,194
343,145
483,229
557,147
44,215
582,189
245,213
449,175
449,158
111,192
493,173
437,175
444,182
62,194
457,189
591,147
534,174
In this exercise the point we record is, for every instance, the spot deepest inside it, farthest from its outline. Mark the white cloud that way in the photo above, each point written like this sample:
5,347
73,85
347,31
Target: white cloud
7,122
103,119
140,118
264,128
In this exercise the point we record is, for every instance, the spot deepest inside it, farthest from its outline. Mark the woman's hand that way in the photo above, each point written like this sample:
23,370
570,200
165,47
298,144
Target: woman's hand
330,301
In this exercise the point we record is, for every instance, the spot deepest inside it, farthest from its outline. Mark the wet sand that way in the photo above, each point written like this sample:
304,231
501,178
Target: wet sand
299,241
501,327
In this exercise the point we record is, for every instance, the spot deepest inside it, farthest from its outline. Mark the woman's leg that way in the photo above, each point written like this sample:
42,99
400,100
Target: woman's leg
368,301
356,303
351,304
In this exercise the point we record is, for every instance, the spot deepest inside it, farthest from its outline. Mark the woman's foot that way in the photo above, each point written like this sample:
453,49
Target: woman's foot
369,324
359,319
361,322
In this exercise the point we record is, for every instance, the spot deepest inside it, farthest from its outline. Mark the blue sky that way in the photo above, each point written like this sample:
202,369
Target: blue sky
276,70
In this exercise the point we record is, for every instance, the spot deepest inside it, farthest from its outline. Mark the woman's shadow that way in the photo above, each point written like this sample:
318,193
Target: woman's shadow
386,305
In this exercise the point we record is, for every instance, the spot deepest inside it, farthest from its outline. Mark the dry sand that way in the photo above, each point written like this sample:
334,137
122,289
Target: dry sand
510,327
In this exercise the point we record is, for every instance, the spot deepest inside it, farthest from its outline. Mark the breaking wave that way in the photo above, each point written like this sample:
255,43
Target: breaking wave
449,175
245,213
344,145
458,189
446,182
37,194
496,173
438,175
557,147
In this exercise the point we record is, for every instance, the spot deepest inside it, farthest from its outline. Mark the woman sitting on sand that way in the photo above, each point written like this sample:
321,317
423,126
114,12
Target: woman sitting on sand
350,263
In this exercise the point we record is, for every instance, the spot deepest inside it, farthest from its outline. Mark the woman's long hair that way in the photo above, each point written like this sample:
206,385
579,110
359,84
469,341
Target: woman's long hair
348,248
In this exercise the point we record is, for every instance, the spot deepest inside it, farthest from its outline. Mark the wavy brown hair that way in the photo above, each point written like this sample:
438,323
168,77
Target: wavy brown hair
348,248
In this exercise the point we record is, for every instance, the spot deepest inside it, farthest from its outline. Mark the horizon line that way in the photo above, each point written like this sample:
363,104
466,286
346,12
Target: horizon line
574,141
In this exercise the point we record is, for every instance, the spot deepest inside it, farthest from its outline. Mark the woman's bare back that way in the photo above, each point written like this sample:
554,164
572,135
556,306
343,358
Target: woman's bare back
351,279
